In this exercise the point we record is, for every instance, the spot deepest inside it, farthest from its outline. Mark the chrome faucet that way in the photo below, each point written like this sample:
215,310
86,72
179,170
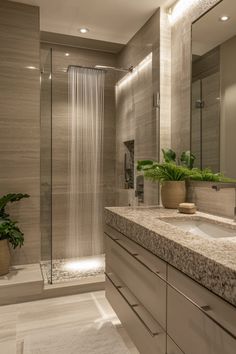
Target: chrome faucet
218,187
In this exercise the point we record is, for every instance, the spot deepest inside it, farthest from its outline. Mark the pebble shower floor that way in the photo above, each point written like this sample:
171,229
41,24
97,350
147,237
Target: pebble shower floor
65,270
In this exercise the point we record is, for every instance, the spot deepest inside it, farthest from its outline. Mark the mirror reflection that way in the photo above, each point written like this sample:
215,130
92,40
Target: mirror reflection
213,118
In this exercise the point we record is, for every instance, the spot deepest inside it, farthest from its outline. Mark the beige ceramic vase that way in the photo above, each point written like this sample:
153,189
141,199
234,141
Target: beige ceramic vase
4,257
173,193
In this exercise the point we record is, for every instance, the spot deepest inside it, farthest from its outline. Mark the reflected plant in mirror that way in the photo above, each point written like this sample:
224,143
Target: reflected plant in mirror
173,172
213,118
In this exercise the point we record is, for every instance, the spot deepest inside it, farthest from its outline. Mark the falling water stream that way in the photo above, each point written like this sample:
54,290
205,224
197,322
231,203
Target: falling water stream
85,152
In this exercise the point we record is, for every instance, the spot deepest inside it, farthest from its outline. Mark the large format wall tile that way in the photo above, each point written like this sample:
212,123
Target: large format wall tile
136,118
20,119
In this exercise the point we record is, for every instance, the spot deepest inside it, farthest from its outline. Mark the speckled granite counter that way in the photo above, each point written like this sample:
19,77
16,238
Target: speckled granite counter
211,262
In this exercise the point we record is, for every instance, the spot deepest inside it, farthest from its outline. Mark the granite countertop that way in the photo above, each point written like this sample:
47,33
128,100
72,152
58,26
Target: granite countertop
209,261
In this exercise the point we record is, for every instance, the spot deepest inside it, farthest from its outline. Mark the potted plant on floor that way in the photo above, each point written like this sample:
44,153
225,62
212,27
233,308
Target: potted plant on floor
171,175
9,231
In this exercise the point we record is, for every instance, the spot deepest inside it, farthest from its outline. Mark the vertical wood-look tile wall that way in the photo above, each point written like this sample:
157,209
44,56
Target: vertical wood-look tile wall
20,120
136,117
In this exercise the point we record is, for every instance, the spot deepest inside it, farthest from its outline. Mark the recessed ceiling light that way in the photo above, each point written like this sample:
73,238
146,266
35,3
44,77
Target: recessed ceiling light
67,54
224,18
83,30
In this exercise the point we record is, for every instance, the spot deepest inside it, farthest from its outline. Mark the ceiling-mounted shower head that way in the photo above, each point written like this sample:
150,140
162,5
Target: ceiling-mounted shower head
130,69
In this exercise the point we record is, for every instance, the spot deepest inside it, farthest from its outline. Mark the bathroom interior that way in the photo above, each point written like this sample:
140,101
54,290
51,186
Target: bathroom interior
118,177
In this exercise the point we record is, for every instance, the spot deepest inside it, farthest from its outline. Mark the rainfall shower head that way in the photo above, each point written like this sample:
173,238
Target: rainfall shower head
130,69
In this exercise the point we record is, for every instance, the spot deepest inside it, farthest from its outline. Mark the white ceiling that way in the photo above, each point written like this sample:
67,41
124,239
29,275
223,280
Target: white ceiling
108,20
209,32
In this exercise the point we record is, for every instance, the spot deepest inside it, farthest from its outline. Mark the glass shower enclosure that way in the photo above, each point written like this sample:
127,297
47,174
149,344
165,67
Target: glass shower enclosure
72,174
46,162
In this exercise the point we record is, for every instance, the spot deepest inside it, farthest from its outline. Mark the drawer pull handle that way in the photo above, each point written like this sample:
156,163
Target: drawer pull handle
206,308
109,275
127,248
148,267
136,256
153,334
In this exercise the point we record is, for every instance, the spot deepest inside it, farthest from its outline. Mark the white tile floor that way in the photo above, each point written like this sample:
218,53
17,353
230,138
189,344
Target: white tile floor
20,320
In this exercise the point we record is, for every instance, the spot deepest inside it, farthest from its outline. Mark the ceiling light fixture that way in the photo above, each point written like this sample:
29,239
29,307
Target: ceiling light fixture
224,18
84,30
67,54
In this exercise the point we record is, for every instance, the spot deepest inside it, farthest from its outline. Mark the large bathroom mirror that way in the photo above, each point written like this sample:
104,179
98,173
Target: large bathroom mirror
213,119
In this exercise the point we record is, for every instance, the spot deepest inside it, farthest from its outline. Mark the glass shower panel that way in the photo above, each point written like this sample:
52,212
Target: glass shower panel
211,122
205,124
196,143
46,163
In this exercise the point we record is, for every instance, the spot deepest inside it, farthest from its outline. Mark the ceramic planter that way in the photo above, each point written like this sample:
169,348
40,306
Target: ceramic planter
4,257
173,193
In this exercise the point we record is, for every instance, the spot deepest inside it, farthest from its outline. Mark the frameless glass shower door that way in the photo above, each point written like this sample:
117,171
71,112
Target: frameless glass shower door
46,163
205,122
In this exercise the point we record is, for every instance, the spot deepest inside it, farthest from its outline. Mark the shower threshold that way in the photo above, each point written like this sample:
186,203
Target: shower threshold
72,269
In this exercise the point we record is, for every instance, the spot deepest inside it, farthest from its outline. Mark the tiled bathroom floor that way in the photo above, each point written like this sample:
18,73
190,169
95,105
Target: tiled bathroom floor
45,317
64,270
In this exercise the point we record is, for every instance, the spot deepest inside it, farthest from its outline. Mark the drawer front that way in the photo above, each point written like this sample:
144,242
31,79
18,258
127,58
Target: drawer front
144,341
217,308
149,289
192,330
152,261
172,347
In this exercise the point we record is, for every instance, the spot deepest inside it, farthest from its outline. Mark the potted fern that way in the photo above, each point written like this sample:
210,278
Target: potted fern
9,231
171,175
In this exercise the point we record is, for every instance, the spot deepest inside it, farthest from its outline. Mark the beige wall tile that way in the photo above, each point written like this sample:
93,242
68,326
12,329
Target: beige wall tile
136,119
20,118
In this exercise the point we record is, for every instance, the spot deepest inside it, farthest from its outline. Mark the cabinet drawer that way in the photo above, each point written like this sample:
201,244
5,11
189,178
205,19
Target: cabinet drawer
146,334
148,288
218,309
153,262
192,330
172,347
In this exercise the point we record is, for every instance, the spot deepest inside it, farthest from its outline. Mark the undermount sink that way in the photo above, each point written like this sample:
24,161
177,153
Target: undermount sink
203,228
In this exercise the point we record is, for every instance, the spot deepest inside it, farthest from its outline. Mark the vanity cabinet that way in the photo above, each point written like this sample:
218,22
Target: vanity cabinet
143,273
136,289
208,321
163,310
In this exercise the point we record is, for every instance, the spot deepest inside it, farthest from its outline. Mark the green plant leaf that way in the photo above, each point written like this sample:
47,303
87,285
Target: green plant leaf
187,159
145,165
10,198
11,232
169,155
206,175
167,172
8,228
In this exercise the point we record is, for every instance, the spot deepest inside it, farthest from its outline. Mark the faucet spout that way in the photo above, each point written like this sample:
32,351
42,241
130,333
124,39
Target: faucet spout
220,186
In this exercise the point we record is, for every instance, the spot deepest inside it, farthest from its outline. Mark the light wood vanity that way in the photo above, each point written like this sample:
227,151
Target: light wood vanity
163,310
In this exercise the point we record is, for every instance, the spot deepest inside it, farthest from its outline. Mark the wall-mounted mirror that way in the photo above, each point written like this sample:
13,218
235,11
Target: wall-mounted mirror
213,120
